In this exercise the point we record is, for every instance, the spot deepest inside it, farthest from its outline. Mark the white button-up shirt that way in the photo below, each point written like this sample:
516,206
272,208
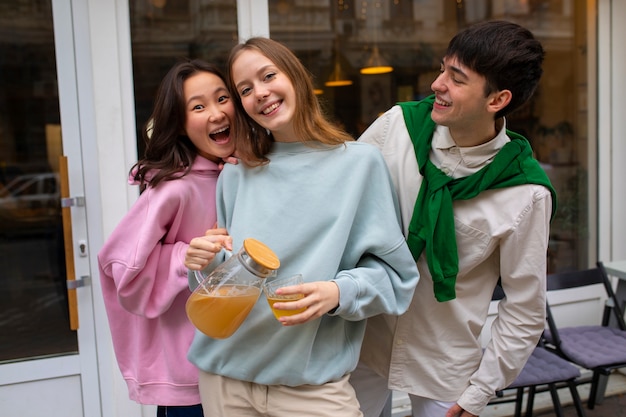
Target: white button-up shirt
433,350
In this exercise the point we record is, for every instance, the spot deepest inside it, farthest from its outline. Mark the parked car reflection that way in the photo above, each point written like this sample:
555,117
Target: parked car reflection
30,204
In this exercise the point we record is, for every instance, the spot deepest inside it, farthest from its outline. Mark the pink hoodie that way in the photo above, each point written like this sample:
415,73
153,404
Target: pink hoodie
145,287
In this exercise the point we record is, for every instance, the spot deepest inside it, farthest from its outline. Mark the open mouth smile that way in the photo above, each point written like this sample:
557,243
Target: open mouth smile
221,135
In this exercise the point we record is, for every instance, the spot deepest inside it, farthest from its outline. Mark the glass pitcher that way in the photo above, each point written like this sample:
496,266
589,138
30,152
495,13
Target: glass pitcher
223,299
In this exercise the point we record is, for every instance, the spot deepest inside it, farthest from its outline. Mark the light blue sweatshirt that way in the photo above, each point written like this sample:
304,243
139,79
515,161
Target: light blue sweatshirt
329,214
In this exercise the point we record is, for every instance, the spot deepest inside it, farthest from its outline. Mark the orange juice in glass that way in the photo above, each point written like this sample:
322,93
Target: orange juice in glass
270,287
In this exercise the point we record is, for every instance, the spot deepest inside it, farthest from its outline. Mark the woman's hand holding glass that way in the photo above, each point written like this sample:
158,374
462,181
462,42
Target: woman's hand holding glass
318,298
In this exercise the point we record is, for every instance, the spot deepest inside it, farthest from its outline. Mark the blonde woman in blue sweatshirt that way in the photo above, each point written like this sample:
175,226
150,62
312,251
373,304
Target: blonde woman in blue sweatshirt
325,205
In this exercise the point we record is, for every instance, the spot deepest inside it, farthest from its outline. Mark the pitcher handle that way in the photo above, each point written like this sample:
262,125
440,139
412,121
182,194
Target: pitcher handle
200,276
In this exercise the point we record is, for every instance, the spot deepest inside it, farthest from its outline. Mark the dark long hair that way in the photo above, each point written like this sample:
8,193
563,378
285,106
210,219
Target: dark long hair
253,141
169,151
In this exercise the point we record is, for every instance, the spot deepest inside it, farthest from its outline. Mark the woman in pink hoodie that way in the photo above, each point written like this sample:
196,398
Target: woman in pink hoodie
142,271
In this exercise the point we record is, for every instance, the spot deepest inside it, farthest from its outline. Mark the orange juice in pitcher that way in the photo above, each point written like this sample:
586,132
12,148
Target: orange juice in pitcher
224,298
220,313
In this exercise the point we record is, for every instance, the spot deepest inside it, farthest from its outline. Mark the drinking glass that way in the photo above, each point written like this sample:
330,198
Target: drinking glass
270,287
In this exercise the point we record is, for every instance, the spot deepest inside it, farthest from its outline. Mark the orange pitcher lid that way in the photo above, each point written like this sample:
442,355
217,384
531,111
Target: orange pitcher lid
261,254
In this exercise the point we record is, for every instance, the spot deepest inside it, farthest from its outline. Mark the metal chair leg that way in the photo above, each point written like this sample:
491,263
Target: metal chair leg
576,398
518,402
595,380
556,402
530,402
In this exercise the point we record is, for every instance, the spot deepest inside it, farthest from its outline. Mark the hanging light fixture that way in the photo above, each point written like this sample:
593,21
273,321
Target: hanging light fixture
376,64
337,77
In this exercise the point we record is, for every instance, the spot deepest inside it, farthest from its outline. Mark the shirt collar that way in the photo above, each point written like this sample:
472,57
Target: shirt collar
472,156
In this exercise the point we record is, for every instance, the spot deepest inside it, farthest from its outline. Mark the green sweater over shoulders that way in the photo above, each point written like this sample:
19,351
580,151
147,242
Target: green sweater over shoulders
432,224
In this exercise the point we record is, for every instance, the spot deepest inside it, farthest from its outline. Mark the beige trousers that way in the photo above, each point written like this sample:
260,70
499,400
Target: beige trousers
227,397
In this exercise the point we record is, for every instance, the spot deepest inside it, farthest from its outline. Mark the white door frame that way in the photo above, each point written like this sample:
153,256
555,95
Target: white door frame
108,147
68,85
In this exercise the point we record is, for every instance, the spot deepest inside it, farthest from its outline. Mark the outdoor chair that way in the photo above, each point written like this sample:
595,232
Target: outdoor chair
544,371
598,348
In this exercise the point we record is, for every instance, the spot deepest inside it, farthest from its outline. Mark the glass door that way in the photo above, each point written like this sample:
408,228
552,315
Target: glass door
34,312
47,356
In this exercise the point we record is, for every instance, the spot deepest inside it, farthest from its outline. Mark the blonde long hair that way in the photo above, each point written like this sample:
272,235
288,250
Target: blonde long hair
253,141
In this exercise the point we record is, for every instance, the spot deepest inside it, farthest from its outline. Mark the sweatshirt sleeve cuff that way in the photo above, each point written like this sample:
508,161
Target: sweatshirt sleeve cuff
181,249
347,295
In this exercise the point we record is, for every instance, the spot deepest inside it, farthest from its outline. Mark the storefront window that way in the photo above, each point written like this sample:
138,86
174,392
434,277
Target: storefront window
409,38
338,39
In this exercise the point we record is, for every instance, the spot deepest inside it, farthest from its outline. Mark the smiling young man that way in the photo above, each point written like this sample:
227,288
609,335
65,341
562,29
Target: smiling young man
476,208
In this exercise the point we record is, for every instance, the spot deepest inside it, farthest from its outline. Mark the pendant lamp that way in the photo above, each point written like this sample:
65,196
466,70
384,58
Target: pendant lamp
376,64
337,77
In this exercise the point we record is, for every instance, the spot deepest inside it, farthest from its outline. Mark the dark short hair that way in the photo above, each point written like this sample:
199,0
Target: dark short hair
506,54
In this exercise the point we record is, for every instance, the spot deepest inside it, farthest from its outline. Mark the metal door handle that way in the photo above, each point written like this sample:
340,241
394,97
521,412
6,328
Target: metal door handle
73,201
83,281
